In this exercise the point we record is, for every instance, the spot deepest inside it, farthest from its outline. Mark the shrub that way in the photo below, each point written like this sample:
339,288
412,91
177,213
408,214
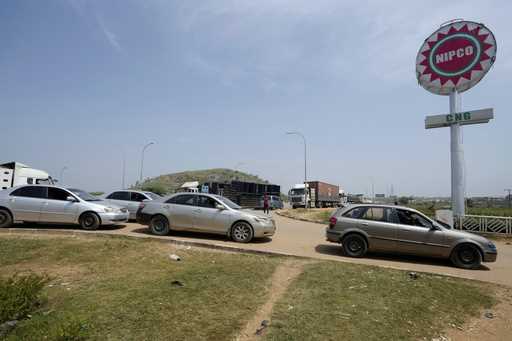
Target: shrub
19,295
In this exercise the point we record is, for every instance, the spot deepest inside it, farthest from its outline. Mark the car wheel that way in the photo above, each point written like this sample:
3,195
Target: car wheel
159,225
89,221
5,219
354,245
242,232
467,256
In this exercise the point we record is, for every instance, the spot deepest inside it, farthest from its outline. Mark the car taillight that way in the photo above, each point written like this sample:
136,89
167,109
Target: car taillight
141,205
332,221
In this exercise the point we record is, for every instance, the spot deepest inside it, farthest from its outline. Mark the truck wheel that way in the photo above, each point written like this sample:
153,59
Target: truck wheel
5,218
89,221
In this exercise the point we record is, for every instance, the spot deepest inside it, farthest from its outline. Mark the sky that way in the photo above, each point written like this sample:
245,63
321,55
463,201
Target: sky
218,83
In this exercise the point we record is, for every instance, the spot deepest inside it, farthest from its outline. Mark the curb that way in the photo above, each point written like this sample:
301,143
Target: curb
300,219
168,240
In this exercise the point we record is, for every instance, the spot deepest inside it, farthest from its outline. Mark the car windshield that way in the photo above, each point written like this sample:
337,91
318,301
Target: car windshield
443,224
227,202
152,195
83,195
297,191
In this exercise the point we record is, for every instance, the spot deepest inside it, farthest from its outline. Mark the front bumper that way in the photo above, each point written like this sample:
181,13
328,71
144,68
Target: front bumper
112,218
264,229
490,256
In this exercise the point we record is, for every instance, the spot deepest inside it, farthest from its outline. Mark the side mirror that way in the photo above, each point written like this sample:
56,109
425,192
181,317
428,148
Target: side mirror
433,228
71,199
220,207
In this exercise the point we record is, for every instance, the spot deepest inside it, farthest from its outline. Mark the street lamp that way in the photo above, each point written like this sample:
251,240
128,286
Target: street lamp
62,174
508,196
142,160
305,163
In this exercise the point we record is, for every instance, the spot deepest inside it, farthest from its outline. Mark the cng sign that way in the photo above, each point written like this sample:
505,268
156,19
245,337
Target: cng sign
455,57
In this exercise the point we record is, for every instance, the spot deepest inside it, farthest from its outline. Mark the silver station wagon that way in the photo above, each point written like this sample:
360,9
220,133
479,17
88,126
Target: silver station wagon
130,199
362,228
52,204
204,213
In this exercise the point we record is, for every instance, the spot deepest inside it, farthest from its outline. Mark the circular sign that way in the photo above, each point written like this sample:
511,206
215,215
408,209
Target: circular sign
455,57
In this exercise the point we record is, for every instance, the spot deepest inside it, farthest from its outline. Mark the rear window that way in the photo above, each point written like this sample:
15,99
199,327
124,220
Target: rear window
30,192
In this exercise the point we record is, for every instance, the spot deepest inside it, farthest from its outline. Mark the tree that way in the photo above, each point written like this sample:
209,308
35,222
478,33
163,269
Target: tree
403,200
155,188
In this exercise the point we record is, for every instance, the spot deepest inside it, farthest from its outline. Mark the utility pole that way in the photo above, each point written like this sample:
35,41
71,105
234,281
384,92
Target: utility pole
124,171
142,160
509,197
305,164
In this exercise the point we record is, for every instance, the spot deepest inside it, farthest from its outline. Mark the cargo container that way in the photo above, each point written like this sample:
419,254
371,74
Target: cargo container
314,194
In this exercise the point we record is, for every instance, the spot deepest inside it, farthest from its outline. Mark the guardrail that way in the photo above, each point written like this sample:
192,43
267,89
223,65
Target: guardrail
484,224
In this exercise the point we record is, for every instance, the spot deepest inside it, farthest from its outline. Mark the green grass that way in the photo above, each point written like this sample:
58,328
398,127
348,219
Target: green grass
121,289
331,301
430,208
317,215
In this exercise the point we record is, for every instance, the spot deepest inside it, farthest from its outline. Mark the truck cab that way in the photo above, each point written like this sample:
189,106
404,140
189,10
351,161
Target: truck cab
14,174
298,196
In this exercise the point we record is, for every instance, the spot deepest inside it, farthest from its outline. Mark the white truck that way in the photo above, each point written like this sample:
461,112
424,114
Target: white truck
15,174
314,194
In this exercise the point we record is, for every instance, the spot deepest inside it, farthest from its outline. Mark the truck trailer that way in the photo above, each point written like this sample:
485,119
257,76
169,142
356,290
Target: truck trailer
314,194
15,174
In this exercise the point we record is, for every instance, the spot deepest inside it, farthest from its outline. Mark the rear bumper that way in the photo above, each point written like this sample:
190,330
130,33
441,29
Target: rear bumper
332,235
143,218
490,257
113,218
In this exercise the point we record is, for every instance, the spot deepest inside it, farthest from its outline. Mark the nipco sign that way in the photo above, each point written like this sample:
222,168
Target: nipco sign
451,60
455,57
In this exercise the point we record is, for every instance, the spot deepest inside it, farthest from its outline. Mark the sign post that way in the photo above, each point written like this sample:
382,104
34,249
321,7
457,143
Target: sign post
452,60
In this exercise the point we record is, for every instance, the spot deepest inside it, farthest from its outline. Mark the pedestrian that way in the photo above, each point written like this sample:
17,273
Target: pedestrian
265,203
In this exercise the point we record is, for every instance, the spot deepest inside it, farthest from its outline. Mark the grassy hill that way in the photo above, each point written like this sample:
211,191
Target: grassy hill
169,183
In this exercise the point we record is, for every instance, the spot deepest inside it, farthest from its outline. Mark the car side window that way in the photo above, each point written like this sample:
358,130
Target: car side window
378,214
30,192
204,201
138,197
120,196
406,217
185,199
355,213
57,194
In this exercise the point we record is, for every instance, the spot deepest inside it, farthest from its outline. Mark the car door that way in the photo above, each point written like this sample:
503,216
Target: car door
134,203
416,236
181,210
26,202
379,224
57,209
208,217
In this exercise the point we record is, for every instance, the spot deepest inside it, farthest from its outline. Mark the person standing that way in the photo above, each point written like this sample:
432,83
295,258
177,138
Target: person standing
265,203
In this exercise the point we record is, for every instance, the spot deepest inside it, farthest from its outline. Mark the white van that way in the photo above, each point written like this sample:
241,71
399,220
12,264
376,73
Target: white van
15,174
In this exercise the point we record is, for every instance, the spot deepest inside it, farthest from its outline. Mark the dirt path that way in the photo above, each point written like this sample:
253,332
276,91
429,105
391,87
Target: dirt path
493,324
281,279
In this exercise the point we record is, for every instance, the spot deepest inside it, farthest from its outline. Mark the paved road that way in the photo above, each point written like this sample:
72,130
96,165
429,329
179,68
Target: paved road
307,239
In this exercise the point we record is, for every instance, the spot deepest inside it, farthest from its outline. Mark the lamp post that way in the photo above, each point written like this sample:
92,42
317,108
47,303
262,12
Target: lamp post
509,197
305,163
62,174
142,160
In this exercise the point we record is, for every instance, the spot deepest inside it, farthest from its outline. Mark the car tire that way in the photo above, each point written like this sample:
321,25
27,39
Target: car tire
159,225
242,232
466,256
89,221
354,245
5,219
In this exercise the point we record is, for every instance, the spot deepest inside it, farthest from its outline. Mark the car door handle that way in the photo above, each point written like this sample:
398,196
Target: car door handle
45,203
364,224
197,210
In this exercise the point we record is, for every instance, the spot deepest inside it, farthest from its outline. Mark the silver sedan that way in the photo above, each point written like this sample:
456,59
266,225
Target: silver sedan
130,199
51,204
204,213
383,228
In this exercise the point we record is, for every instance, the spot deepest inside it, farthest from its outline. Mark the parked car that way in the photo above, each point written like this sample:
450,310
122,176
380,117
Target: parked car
51,204
130,199
369,227
274,202
204,213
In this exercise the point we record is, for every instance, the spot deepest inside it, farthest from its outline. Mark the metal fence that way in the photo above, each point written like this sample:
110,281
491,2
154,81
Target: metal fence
484,224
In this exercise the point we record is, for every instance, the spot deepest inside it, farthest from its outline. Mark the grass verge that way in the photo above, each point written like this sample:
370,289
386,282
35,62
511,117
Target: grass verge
120,289
315,215
330,301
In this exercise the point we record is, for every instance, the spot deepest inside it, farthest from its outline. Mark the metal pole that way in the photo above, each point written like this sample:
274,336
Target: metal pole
509,197
62,174
305,162
142,160
124,170
457,157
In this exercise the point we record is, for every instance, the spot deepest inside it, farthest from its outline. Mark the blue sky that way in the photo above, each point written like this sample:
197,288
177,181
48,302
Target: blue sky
218,83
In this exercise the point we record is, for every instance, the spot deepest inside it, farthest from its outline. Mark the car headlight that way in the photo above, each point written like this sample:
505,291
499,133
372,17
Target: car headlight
491,246
108,209
260,219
